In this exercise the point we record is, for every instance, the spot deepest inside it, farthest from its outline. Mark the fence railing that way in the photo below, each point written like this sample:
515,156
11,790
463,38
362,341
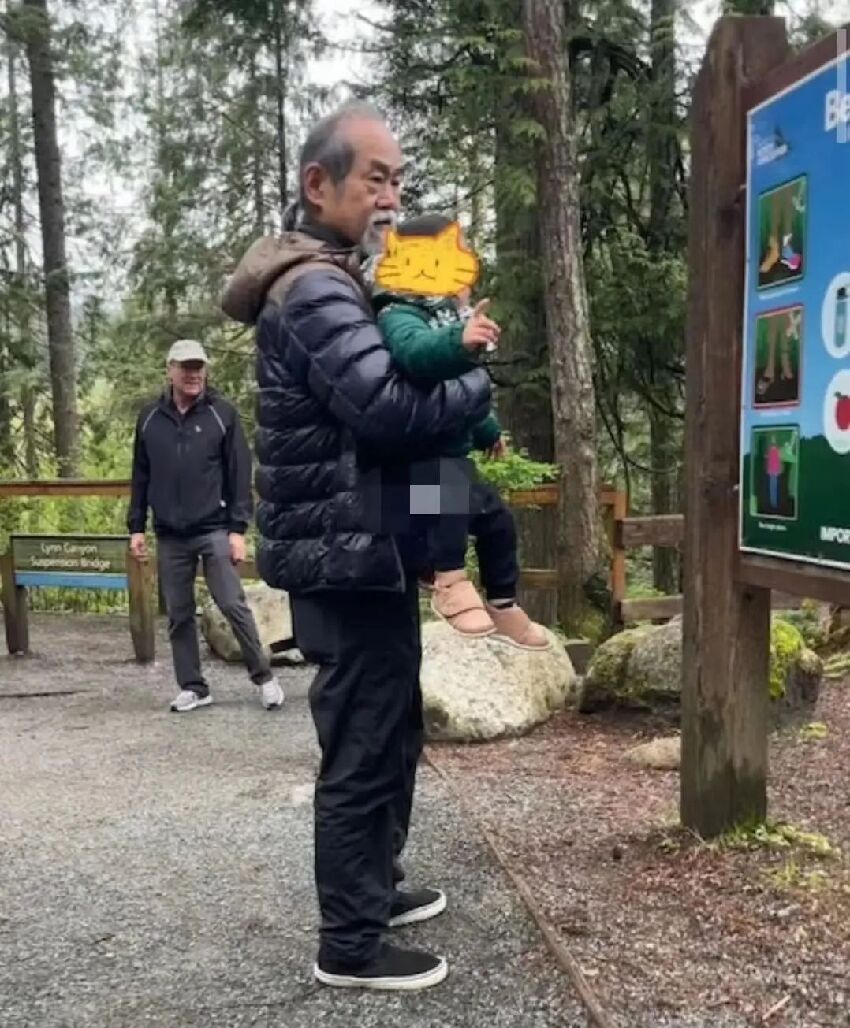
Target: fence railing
624,533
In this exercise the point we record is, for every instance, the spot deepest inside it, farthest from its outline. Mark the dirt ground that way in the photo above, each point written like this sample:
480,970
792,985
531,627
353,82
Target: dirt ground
659,920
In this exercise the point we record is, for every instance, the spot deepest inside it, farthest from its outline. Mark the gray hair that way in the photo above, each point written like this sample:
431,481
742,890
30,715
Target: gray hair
329,147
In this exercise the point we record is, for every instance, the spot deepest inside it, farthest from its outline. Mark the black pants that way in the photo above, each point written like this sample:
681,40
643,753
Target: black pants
492,526
367,707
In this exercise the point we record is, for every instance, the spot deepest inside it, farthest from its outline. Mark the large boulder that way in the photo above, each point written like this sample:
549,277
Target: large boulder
479,689
270,608
642,669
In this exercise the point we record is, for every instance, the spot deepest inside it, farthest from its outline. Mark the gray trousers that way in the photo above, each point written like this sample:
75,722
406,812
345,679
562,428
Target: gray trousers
177,560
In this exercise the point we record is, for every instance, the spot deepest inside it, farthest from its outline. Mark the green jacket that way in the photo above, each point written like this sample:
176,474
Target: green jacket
424,338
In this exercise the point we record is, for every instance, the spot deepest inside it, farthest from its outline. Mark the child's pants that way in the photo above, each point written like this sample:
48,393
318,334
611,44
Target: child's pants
492,526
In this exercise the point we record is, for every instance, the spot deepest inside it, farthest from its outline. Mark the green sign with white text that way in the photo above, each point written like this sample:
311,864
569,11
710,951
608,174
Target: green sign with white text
81,554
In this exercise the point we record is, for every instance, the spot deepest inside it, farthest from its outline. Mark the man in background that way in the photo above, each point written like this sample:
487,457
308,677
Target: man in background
192,467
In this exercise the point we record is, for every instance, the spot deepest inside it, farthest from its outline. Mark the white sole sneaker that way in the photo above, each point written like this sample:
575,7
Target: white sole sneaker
419,914
394,983
184,708
271,695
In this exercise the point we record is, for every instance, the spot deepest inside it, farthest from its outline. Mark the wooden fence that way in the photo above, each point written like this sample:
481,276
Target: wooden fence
624,534
545,498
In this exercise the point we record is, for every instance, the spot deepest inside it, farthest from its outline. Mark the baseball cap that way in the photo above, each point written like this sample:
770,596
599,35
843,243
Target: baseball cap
186,350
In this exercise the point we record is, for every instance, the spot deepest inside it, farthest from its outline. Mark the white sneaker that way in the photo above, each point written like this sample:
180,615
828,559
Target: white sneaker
187,700
271,694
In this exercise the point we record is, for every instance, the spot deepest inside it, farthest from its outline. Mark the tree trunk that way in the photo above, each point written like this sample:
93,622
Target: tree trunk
30,449
256,155
568,330
22,320
281,71
664,431
666,451
525,403
7,449
165,213
524,400
52,210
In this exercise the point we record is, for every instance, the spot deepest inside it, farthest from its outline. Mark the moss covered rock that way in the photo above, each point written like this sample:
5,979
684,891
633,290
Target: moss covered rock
642,669
604,685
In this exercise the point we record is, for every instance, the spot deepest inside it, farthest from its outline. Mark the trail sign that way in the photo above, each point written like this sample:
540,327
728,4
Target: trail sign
795,383
75,562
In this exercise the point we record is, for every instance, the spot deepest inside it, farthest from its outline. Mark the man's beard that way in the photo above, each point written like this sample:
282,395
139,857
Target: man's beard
372,240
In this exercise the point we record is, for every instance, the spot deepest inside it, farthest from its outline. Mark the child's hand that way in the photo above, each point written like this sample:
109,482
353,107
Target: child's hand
498,450
480,331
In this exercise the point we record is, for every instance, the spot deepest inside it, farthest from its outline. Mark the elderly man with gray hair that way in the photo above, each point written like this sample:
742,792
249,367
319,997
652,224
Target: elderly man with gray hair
192,467
338,430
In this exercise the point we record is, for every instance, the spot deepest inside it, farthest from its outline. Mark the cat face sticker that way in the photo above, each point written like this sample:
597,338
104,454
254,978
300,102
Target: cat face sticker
438,265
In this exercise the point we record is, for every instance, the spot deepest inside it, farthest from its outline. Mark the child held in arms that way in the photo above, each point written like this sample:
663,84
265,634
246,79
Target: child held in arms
421,296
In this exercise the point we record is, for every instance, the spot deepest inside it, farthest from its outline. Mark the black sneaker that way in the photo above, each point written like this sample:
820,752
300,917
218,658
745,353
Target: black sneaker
413,907
393,970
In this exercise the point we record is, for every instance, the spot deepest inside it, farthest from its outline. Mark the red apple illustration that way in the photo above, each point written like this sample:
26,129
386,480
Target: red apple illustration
842,411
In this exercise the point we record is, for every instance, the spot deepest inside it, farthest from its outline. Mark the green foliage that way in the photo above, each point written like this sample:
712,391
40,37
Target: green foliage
514,471
776,836
814,731
786,644
792,877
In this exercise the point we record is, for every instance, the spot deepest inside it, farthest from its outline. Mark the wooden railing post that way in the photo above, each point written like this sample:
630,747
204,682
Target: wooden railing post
14,608
140,580
726,625
619,509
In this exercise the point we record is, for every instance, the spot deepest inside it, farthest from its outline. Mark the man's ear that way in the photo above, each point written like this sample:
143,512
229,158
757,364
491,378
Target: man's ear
314,179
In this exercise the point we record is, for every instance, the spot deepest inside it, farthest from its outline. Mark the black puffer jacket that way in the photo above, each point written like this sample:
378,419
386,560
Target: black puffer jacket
330,402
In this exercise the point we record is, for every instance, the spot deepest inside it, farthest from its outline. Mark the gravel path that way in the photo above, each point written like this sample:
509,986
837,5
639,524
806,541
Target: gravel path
156,869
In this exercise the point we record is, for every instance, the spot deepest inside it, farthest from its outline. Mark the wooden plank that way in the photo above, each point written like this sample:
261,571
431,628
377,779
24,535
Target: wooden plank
538,578
543,496
15,614
795,578
140,576
726,626
657,530
652,608
65,487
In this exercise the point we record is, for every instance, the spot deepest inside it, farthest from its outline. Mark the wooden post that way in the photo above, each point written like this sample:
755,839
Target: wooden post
619,510
14,608
726,624
142,626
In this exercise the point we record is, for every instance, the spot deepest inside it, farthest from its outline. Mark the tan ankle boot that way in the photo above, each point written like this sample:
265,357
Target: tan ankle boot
456,600
516,627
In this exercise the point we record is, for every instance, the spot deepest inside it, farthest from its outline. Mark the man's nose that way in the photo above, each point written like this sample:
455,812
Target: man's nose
389,198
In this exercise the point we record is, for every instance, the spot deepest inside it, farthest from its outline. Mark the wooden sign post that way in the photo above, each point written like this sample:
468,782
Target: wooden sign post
76,562
763,318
